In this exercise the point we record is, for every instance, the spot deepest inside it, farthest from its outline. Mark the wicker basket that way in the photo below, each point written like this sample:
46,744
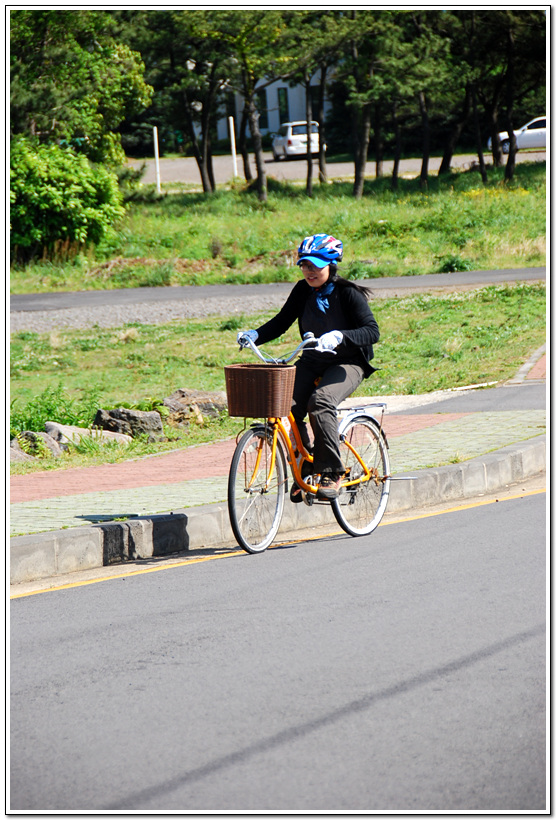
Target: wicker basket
259,390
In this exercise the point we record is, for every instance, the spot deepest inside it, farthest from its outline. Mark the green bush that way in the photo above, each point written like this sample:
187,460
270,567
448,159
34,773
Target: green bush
53,404
453,263
59,201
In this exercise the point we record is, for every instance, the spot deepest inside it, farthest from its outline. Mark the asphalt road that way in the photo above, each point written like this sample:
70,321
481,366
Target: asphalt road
184,169
399,672
504,398
386,287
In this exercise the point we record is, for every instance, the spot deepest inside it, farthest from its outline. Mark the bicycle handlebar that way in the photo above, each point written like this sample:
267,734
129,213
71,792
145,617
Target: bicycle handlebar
309,340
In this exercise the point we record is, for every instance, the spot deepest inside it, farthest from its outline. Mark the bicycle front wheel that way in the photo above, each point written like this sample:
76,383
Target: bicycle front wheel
359,508
256,490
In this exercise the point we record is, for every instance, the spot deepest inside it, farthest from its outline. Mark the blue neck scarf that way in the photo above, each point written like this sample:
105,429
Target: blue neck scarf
321,294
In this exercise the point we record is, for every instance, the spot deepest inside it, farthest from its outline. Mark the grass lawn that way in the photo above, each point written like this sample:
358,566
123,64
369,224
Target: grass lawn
457,223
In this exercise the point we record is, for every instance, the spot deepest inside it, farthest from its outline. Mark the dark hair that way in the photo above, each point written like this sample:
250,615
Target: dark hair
347,283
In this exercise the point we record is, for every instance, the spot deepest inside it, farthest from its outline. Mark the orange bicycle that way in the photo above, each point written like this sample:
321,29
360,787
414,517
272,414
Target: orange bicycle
258,477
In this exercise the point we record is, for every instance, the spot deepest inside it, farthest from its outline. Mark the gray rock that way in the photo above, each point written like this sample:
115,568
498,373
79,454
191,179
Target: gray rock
17,454
130,422
194,405
35,443
65,434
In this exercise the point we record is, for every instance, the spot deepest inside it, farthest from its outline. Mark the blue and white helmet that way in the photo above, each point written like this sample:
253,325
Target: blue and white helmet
320,249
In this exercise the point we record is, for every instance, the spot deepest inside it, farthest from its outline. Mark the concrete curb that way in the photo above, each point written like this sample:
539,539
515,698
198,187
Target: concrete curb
60,552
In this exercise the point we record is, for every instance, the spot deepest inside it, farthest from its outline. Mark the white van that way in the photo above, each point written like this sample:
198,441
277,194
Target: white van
291,140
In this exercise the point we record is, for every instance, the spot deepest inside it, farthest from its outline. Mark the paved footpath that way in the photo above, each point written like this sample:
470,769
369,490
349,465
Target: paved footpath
197,475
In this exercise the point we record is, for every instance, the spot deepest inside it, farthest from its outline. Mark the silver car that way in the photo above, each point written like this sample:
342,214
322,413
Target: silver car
291,140
530,135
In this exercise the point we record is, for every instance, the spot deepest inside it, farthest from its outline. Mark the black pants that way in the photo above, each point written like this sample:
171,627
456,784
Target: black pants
320,401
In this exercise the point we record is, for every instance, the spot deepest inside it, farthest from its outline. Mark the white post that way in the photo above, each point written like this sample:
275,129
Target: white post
233,143
156,163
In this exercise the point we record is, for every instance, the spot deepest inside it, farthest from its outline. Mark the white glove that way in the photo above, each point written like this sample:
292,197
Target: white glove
328,341
246,334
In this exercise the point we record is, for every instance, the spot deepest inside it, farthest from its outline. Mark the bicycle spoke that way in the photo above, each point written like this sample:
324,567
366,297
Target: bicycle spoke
255,491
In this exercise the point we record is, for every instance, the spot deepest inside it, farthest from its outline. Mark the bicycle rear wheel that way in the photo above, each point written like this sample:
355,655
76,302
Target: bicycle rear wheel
359,508
255,495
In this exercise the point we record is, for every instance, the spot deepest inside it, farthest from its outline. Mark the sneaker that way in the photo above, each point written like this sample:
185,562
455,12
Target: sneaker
329,487
296,496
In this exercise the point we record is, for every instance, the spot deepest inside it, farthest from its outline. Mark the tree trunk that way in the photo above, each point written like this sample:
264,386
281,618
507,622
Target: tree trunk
309,119
201,162
361,130
379,142
494,130
204,168
491,108
510,164
253,116
242,144
205,146
424,177
455,134
210,168
397,148
206,117
323,175
478,138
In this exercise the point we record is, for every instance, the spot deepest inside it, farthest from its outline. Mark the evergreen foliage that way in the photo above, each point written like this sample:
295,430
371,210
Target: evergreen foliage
72,82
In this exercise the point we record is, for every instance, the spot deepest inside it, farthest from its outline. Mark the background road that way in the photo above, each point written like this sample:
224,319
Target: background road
184,169
404,671
235,295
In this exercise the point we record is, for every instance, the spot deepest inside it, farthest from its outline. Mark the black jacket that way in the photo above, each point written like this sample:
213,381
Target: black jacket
348,311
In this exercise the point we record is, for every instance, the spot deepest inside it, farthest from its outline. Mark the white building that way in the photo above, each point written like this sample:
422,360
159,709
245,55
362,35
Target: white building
279,103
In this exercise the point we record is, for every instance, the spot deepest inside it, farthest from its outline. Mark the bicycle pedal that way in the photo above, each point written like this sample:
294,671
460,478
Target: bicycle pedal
308,498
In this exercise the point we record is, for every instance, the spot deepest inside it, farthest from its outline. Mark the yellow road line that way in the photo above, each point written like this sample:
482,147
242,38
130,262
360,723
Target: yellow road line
130,573
463,507
237,552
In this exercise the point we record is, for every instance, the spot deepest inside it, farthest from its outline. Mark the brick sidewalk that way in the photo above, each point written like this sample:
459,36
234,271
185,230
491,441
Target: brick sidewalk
538,371
204,461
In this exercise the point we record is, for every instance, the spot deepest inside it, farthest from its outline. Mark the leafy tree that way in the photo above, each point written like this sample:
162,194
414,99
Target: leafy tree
195,57
312,44
356,71
509,66
390,59
71,81
396,84
384,65
188,71
429,71
252,40
524,34
446,73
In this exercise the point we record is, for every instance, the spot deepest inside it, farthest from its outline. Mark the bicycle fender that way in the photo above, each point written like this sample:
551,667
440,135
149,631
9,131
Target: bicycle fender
361,413
263,429
257,425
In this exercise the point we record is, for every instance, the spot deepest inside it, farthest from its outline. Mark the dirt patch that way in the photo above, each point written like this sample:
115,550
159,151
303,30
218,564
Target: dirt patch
106,270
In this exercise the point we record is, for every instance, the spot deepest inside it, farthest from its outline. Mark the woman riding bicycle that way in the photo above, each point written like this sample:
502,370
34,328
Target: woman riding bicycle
337,312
